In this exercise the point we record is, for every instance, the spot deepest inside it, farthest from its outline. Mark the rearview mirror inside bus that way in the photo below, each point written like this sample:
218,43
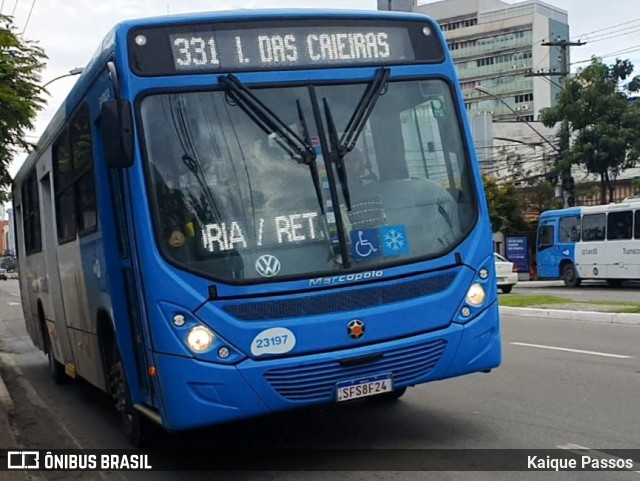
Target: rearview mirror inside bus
116,125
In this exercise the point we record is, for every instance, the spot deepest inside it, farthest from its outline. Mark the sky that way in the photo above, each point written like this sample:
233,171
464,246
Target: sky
70,30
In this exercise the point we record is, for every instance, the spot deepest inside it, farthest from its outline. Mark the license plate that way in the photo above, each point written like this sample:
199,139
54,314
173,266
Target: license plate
363,387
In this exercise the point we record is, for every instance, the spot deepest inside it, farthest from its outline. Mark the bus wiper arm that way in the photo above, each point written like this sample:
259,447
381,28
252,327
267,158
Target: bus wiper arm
336,154
313,167
363,111
340,148
296,147
299,149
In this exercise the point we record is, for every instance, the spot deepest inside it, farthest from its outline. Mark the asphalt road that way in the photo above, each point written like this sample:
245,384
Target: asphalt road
588,291
562,383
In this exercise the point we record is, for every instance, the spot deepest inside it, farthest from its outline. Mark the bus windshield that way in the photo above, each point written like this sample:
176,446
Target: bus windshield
233,203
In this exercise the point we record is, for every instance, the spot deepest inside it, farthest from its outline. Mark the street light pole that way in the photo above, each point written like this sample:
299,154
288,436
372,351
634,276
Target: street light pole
73,71
520,118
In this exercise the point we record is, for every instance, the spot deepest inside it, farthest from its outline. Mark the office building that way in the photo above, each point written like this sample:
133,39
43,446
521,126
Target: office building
495,46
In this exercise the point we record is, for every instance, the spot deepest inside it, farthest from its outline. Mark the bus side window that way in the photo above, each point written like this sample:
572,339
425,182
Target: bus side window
569,229
619,225
594,227
636,228
545,237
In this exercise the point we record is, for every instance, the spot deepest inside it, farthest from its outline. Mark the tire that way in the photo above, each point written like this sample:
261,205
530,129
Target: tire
506,289
389,396
56,369
132,421
570,276
614,282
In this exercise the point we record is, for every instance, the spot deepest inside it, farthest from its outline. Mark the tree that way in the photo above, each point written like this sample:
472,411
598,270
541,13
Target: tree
604,124
541,196
506,206
21,62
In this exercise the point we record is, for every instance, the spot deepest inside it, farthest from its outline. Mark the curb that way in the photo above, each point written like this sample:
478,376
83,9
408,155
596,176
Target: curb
6,401
7,438
589,316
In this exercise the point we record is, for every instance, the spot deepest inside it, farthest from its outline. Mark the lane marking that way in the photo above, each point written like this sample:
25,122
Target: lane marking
566,349
13,303
593,453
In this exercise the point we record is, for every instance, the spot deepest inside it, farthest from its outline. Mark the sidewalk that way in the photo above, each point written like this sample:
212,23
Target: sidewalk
572,306
7,439
6,408
540,284
572,315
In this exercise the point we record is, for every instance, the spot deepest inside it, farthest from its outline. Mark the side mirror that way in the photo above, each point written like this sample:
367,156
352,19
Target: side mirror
116,126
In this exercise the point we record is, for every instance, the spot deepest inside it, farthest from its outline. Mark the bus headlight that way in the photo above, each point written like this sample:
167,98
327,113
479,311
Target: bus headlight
200,339
475,295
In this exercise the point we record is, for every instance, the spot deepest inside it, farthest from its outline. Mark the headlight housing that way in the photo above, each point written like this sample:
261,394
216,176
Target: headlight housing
200,339
476,295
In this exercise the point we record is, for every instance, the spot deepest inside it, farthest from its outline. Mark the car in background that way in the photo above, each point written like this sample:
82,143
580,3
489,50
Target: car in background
506,272
8,262
3,274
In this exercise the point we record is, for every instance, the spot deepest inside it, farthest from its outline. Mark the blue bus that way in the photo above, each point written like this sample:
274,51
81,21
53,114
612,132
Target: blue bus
590,243
238,213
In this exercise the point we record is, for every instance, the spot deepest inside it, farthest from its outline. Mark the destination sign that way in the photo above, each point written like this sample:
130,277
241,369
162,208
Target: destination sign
287,44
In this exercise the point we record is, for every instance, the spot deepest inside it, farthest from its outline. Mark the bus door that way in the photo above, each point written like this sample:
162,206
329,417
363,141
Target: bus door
592,262
54,311
616,249
546,258
568,235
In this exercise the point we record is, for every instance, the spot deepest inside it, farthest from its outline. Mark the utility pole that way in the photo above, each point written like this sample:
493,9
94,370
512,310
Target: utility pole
566,181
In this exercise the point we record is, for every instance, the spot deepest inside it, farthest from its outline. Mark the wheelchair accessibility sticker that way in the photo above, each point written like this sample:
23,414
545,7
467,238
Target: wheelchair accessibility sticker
365,244
385,241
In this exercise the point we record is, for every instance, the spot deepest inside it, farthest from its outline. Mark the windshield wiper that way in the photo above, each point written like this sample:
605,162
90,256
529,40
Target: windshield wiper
336,154
297,148
340,148
313,167
363,111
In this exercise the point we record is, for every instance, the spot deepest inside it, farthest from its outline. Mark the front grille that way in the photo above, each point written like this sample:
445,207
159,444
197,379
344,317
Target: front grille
352,299
317,381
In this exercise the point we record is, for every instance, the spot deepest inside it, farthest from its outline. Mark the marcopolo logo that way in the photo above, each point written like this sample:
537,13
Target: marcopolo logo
360,276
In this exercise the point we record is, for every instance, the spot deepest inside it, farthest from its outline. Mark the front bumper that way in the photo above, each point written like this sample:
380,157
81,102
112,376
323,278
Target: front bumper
197,394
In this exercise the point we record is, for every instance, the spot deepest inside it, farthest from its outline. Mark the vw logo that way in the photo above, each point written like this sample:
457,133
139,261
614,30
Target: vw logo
355,329
268,266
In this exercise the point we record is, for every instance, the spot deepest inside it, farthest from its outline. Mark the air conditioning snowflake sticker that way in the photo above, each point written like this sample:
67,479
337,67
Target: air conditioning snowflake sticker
394,240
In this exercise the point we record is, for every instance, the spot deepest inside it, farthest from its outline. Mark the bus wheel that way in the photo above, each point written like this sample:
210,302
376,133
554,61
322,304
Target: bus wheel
56,369
131,419
389,396
569,276
614,282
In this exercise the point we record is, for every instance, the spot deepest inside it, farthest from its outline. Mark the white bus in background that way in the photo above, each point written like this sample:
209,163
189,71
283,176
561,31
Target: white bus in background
600,242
